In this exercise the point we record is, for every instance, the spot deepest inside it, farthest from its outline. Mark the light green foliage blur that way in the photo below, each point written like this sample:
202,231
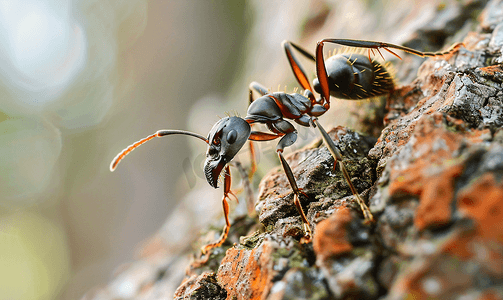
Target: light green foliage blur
34,257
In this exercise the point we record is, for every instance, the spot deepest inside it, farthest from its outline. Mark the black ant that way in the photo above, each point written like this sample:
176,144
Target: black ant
348,76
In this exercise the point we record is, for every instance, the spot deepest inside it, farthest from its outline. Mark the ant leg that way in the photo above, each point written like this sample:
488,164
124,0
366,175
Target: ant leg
286,44
255,86
286,141
247,189
225,232
253,167
247,178
263,136
385,46
321,72
296,191
297,69
338,157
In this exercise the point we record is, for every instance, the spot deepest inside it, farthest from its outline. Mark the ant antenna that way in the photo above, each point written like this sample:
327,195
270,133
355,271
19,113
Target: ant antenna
159,133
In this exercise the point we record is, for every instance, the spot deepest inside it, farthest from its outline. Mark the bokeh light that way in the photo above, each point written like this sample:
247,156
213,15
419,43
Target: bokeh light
43,50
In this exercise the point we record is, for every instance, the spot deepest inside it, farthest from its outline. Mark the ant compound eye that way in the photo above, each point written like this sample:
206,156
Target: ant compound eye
232,136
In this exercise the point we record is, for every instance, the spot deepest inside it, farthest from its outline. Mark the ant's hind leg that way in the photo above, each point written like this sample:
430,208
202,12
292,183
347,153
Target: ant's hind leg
297,69
386,46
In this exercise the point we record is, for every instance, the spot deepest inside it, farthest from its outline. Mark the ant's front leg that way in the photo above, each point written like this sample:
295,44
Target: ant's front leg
225,232
286,141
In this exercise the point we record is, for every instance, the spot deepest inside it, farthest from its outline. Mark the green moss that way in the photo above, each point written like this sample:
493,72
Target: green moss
295,257
250,242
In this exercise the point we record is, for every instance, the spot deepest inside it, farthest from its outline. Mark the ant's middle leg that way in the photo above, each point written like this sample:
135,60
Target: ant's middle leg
338,157
287,140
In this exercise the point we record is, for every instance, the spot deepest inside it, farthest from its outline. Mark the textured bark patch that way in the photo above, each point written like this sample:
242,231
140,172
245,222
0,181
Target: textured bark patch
330,238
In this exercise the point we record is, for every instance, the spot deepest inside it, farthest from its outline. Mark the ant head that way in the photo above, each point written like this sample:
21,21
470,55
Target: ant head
225,140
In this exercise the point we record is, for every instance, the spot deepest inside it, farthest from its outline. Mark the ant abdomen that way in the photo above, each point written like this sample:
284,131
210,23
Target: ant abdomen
355,77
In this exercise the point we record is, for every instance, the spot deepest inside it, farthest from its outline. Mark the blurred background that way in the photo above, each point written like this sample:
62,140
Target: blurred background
81,80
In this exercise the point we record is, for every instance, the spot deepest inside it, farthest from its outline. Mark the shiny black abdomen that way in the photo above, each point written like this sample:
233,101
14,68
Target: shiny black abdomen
355,77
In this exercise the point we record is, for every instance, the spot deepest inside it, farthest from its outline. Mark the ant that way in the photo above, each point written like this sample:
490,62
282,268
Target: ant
353,76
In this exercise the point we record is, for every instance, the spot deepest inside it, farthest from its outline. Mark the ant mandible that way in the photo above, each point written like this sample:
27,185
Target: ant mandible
353,77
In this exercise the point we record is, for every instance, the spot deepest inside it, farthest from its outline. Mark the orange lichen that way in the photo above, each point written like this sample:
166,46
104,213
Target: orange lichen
435,202
330,238
429,176
482,241
247,274
425,176
477,136
491,70
482,202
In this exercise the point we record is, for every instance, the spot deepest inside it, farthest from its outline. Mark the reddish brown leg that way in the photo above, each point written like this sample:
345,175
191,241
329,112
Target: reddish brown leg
385,46
263,136
299,73
258,136
253,167
225,232
321,72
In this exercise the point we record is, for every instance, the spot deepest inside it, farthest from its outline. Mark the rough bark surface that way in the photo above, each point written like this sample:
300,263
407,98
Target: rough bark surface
433,180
